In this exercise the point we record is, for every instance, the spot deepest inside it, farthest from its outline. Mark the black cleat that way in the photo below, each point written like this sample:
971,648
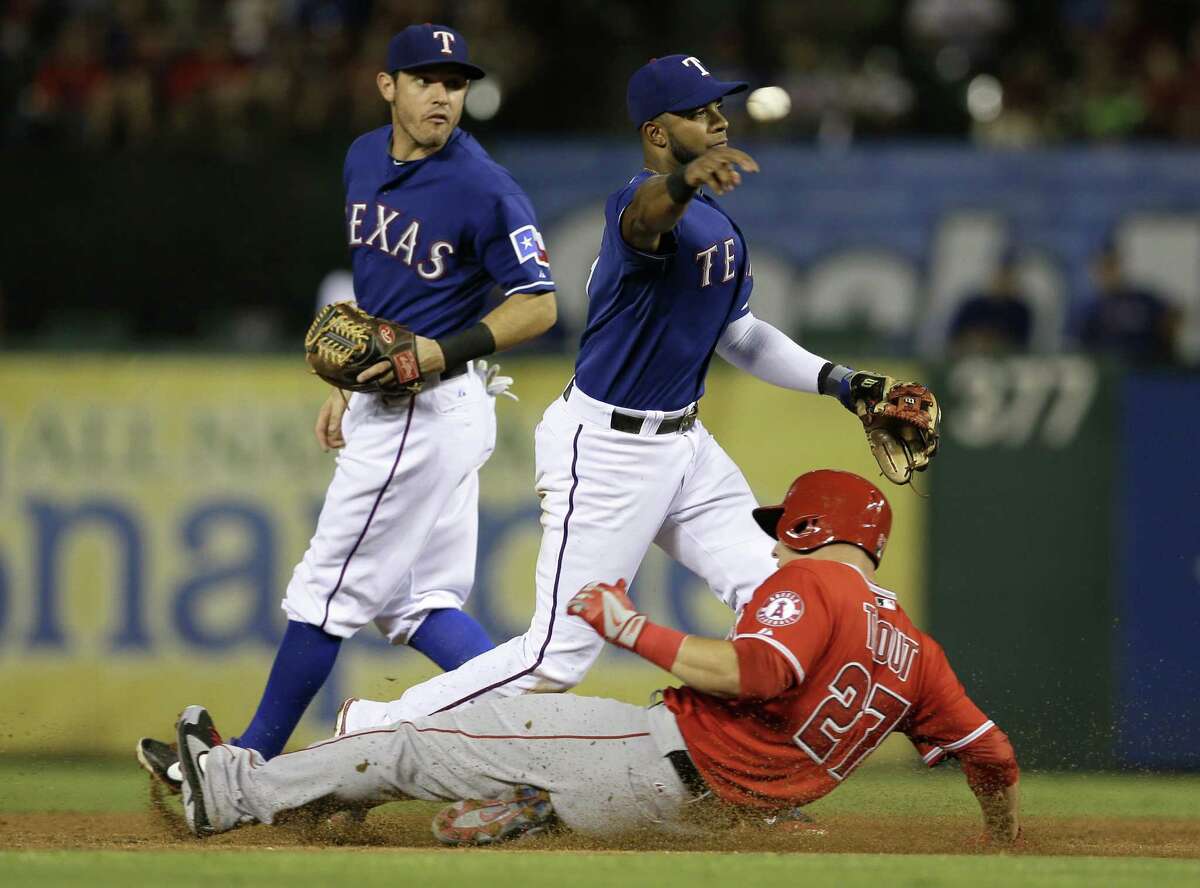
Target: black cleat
162,763
197,737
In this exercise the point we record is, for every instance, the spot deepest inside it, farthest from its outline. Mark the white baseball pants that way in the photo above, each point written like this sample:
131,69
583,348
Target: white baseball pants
606,495
603,762
397,534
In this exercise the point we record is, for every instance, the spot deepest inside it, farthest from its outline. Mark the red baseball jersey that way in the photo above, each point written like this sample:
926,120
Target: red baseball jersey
830,665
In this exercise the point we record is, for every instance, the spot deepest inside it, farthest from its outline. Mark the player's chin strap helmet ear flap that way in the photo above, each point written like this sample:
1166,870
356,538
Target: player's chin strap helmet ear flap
826,507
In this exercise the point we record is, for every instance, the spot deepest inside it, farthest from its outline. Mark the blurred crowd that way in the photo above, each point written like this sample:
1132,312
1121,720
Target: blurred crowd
1121,319
235,74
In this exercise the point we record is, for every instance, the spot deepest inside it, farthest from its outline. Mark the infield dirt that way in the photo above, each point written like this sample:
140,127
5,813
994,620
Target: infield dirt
397,827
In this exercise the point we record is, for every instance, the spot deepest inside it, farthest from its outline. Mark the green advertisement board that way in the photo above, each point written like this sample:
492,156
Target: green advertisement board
1021,567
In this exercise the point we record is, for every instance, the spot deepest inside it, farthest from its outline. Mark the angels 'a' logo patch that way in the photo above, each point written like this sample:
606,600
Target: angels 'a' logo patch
781,609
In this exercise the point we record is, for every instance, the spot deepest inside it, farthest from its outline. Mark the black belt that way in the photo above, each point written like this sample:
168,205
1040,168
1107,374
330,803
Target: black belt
689,776
623,422
458,370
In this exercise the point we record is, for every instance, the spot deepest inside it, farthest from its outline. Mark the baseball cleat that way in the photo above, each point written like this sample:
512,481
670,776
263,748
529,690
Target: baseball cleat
197,737
161,762
525,811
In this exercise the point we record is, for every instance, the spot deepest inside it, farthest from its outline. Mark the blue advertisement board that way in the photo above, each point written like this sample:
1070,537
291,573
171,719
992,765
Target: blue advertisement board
1157,656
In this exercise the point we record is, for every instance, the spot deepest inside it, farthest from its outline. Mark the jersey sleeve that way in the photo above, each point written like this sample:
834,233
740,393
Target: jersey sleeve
632,257
742,308
789,615
945,721
511,248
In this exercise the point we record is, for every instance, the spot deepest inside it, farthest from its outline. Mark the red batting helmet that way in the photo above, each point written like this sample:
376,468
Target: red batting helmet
826,507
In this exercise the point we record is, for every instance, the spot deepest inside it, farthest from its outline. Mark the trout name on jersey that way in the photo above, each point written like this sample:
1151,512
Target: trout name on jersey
406,245
888,645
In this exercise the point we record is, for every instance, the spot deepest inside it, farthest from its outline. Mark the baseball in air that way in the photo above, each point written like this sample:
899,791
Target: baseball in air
768,103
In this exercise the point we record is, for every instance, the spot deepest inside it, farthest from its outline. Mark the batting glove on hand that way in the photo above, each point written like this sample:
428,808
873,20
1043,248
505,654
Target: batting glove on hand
608,609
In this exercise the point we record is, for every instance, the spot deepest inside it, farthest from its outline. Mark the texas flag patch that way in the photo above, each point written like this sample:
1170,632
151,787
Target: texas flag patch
527,244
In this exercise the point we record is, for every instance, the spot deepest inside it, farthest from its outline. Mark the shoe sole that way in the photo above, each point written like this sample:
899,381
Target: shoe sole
339,725
191,773
505,828
148,767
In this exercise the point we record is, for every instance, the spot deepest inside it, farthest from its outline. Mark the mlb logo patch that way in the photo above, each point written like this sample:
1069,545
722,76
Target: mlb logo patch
527,244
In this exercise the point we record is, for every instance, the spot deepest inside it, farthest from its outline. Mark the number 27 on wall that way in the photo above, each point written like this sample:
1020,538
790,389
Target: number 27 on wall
855,717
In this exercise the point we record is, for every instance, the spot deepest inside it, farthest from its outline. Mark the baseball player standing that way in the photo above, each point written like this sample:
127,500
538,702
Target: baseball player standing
822,665
433,224
622,459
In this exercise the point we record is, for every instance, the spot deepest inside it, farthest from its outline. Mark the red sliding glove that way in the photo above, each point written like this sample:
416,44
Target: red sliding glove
608,609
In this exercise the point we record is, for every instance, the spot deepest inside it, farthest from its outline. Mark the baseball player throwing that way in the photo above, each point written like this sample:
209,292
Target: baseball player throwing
822,665
622,458
433,224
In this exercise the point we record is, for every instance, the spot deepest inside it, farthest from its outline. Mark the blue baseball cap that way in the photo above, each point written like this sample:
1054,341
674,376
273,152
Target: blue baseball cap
674,83
419,46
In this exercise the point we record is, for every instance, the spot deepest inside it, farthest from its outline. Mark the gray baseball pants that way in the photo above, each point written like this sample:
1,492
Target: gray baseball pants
603,763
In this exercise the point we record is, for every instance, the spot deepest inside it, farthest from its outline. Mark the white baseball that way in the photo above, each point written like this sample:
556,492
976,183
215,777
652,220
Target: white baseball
769,103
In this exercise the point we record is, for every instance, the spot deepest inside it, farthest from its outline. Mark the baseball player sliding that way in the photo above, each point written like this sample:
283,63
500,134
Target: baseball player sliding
433,224
622,460
822,665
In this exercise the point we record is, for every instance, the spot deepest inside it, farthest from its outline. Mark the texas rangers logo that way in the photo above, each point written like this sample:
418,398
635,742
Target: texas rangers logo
527,244
781,609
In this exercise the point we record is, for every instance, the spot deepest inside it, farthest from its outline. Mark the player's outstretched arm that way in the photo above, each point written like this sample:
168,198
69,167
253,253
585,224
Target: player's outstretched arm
990,766
766,352
706,664
660,201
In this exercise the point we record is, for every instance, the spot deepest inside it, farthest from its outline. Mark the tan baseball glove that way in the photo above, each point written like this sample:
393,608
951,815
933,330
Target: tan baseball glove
344,340
902,421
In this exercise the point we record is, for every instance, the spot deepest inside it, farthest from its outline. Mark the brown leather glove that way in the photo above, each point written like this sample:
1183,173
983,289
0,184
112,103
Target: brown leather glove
344,340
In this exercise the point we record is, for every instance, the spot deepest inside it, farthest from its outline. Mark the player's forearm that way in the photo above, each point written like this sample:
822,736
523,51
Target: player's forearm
764,351
653,212
1001,812
709,665
517,319
521,317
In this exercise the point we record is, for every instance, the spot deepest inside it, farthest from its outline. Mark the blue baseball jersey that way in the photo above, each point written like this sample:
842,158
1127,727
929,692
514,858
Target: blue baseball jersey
654,319
430,238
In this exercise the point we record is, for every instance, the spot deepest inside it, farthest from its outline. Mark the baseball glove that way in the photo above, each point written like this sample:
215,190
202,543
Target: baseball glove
344,340
902,421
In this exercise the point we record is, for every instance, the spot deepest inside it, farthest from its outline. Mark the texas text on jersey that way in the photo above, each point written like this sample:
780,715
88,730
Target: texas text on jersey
430,238
830,665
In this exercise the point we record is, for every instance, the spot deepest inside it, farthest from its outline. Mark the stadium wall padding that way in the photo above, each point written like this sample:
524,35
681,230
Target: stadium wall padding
1019,550
1156,529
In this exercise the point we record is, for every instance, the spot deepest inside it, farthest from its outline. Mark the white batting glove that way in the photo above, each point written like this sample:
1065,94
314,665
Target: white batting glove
495,383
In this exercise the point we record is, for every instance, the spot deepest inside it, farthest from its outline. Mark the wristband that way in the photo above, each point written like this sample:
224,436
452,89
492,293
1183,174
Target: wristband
829,380
659,644
467,345
678,189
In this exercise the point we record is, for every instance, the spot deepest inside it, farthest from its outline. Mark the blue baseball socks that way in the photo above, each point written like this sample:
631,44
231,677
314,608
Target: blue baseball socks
450,637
